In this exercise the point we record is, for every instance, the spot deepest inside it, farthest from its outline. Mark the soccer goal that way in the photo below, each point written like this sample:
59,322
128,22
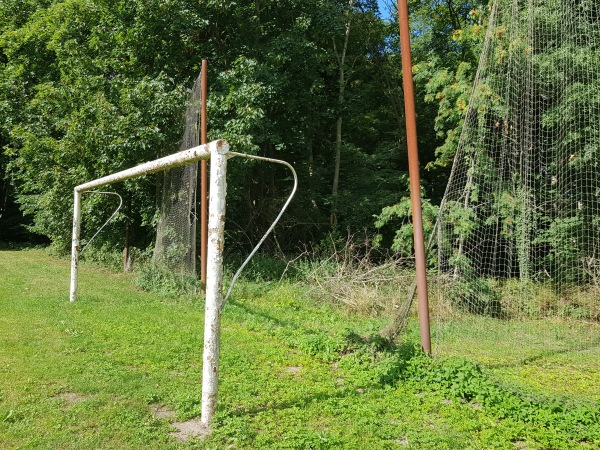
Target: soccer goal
218,152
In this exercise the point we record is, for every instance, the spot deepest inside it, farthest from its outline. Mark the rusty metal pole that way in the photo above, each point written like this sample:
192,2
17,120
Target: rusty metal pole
413,173
203,179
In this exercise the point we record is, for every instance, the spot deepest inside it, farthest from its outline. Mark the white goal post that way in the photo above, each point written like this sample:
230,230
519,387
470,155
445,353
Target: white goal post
218,152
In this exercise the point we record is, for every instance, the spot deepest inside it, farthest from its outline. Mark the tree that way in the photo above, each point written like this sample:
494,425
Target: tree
92,87
523,184
446,39
81,105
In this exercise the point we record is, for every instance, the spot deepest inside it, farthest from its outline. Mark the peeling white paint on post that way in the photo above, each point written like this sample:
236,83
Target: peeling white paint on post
75,244
214,284
168,162
218,151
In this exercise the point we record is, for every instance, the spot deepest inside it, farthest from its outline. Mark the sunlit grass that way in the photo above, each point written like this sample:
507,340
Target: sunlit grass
550,355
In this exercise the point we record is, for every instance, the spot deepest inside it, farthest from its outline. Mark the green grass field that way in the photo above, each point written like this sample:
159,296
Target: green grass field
117,368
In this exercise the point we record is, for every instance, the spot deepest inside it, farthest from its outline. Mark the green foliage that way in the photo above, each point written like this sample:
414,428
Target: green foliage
566,259
261,268
477,296
91,87
400,217
451,92
463,379
446,50
104,256
79,108
453,42
522,201
461,218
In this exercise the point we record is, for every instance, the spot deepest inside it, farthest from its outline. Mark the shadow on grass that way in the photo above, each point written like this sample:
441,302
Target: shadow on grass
350,341
372,358
546,354
267,317
19,246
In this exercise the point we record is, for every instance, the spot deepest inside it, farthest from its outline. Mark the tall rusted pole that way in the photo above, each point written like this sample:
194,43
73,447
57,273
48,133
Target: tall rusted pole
203,178
413,173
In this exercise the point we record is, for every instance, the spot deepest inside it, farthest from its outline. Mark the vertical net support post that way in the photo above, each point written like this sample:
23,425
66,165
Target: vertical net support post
214,284
203,176
415,184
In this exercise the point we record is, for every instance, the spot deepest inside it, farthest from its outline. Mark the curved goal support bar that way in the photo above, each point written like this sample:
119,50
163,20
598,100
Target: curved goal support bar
107,220
281,212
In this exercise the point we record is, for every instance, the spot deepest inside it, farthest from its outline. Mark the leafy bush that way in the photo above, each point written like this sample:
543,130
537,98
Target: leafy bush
105,256
463,379
476,297
399,218
262,267
562,423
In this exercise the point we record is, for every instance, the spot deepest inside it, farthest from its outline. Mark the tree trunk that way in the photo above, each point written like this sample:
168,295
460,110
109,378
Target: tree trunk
338,129
336,170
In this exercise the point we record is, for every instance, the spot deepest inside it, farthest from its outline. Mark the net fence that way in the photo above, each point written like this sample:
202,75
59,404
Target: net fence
518,235
175,247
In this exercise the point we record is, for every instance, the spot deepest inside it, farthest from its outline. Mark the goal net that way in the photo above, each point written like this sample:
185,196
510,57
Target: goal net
519,227
175,247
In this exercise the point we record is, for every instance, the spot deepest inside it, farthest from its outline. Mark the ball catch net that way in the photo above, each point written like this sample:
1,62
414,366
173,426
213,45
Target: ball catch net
175,247
519,228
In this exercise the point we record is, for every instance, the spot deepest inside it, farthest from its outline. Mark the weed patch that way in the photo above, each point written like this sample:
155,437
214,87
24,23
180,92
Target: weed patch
463,379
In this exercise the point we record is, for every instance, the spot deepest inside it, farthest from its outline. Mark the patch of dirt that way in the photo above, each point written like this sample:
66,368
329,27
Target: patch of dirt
71,397
402,441
294,370
189,429
162,412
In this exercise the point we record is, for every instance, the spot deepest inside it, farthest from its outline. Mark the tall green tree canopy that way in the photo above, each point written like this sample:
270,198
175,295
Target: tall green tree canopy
92,87
89,87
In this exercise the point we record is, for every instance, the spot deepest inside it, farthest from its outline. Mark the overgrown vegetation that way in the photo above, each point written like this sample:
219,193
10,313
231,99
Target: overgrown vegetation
89,87
354,274
522,200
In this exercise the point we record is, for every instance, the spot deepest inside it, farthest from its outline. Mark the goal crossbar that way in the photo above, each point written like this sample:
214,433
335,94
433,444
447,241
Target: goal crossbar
201,152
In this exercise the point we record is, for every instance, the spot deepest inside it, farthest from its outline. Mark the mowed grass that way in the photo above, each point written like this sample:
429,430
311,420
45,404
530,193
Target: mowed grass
89,375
